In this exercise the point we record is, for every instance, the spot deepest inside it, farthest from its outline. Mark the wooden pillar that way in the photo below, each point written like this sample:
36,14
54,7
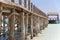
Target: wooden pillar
31,7
11,26
22,27
39,22
38,25
26,27
42,24
13,1
0,18
31,26
34,8
28,4
20,2
25,3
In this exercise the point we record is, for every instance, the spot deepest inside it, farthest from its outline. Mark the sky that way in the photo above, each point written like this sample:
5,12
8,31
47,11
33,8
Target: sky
48,5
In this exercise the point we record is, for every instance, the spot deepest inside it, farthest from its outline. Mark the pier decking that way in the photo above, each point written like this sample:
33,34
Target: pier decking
22,21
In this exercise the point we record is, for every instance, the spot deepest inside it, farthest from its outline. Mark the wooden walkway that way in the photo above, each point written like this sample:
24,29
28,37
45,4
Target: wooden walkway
23,20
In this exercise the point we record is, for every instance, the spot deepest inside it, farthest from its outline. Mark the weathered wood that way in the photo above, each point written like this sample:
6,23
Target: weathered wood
31,7
26,26
13,1
31,26
28,4
38,25
20,2
24,16
25,3
11,27
0,18
22,27
6,11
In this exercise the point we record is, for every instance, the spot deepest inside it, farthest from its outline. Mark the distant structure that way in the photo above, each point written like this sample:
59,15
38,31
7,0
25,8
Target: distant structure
24,19
54,18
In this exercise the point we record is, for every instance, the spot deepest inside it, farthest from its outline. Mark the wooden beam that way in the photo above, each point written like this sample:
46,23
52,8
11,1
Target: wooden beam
6,11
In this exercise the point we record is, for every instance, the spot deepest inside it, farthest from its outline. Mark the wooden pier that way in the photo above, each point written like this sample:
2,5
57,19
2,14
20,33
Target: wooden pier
24,19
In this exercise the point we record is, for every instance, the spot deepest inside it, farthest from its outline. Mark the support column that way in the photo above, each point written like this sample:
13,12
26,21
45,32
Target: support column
0,18
13,1
11,26
23,27
20,2
31,26
28,4
43,23
26,27
38,25
31,7
25,3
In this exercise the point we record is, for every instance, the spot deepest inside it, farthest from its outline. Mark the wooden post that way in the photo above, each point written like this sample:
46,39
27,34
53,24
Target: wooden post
13,1
20,2
23,27
31,26
25,3
34,8
0,18
31,7
38,25
39,22
11,26
28,4
26,26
